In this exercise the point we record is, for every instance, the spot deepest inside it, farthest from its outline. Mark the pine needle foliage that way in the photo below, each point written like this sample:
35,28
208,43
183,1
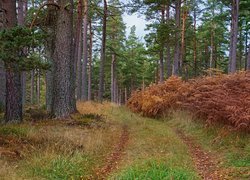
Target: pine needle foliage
17,49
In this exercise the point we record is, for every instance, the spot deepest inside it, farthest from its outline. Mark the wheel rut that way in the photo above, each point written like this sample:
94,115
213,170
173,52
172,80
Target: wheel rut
113,159
206,164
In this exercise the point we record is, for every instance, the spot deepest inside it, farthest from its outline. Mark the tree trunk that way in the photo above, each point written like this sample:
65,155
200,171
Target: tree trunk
168,55
195,45
32,86
177,38
85,53
103,53
248,58
90,62
161,67
233,38
183,30
63,90
13,110
78,50
113,77
22,5
38,87
49,49
2,69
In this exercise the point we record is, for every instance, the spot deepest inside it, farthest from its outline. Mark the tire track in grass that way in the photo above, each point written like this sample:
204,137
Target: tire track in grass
206,164
114,157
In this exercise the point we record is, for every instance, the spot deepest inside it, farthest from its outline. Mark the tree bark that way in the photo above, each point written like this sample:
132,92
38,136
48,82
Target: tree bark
195,44
38,87
233,38
13,110
176,65
113,77
168,55
248,58
85,53
78,49
90,62
49,49
32,86
183,32
103,53
161,67
2,69
161,53
63,100
22,5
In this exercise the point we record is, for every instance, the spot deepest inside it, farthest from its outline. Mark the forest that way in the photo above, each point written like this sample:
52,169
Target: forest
84,95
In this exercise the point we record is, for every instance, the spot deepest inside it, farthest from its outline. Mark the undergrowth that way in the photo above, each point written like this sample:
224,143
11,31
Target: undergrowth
221,99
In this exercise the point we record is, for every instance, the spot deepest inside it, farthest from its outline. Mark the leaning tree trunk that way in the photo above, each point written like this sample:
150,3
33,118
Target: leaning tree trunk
62,103
103,54
13,110
84,96
177,38
233,38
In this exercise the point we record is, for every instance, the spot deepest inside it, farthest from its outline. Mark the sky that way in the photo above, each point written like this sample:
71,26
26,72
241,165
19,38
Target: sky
139,23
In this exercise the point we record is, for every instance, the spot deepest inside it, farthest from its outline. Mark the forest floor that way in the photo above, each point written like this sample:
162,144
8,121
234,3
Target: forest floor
105,141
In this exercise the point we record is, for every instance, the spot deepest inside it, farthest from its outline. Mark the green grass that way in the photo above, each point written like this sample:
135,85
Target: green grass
155,152
14,130
232,147
59,166
154,170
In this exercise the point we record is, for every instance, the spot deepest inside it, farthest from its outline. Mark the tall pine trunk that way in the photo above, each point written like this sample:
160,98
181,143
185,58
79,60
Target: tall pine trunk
233,38
2,69
90,62
13,110
78,49
22,10
162,49
113,77
103,53
49,49
85,53
168,55
63,90
195,44
177,38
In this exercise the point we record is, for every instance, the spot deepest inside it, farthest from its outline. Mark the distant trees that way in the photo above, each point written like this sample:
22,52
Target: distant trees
91,58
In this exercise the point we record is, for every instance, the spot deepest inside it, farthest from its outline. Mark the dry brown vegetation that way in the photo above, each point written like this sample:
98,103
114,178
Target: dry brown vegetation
57,149
222,98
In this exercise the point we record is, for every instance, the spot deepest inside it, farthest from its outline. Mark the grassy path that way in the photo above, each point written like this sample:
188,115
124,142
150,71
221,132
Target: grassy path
110,142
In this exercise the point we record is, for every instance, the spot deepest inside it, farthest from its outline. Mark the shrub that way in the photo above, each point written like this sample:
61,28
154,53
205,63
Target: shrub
222,98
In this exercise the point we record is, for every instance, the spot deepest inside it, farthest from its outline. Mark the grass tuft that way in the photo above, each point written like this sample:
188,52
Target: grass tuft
59,167
154,170
13,130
